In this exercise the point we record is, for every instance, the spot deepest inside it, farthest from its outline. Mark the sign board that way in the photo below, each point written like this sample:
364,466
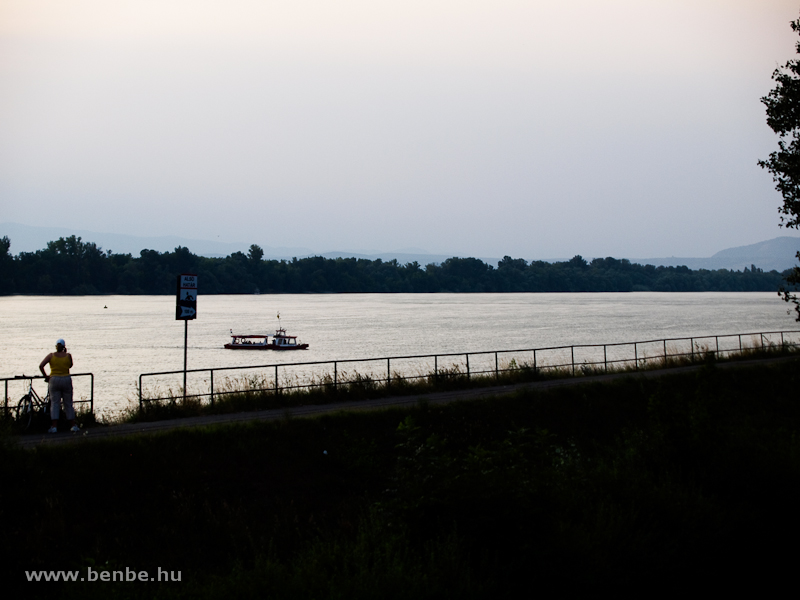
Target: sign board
186,297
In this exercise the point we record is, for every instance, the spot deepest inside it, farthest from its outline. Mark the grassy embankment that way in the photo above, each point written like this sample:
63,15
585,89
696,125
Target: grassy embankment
256,391
638,484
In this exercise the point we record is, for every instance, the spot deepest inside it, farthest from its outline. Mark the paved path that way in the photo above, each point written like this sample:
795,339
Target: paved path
31,441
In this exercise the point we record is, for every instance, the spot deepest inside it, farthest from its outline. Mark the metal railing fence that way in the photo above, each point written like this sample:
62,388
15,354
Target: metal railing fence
26,378
588,358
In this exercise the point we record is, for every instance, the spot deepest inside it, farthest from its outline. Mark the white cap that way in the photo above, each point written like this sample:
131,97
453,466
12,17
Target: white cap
61,343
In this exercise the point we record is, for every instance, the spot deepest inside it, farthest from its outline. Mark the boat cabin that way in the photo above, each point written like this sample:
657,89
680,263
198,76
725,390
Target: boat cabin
248,341
281,340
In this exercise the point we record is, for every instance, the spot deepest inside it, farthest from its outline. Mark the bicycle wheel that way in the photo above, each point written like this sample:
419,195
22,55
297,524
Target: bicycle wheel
24,412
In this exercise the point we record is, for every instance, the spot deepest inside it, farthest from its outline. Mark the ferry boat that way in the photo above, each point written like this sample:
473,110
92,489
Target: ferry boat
280,341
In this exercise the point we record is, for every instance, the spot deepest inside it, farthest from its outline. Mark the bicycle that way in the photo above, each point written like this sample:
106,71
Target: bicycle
31,404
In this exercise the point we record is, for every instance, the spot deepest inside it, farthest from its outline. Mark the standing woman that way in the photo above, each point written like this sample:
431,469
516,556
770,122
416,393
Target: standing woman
60,385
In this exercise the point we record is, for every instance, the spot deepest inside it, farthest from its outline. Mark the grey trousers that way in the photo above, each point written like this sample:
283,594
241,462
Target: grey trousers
61,390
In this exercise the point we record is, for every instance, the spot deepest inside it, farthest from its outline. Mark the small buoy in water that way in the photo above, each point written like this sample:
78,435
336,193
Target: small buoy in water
105,307
324,451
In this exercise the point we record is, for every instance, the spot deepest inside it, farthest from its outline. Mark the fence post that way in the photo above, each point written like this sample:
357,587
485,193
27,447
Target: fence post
665,353
212,386
605,358
762,340
436,367
140,393
740,343
691,342
91,393
534,360
335,376
5,402
636,355
276,380
388,372
572,355
496,369
716,337
467,355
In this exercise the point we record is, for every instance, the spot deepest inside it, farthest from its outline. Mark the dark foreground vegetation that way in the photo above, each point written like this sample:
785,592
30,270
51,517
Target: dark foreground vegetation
634,485
71,266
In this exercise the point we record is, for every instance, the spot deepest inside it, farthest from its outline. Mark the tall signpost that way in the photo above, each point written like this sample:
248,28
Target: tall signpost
186,310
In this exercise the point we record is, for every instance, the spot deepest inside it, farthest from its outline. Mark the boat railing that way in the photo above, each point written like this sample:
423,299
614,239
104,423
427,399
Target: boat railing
572,360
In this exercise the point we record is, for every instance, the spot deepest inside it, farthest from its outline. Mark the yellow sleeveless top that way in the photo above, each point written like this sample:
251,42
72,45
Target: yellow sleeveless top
59,366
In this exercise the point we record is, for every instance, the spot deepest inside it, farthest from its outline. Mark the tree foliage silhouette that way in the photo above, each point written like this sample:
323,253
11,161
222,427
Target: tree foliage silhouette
783,117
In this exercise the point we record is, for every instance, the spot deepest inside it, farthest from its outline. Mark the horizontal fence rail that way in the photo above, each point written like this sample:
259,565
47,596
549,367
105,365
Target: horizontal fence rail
576,359
10,404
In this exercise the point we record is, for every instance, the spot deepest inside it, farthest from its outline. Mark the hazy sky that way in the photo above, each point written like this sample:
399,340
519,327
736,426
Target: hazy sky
531,128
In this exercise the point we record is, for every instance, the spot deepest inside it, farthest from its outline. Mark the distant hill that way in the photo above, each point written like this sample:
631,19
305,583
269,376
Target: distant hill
778,254
405,257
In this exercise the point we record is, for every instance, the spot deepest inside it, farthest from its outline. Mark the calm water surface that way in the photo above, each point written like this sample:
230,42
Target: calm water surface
138,334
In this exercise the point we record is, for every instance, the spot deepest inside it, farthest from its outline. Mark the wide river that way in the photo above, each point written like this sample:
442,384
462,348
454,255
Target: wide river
119,337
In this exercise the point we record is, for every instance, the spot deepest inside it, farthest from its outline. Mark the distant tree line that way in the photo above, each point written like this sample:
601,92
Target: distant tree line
71,266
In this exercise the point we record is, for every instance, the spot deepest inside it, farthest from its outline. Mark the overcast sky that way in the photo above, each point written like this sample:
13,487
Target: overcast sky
531,128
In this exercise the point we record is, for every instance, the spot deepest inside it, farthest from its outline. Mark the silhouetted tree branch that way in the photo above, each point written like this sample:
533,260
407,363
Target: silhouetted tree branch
783,117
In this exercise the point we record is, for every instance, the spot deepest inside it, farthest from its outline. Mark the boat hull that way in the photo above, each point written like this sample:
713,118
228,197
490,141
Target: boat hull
264,347
245,347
